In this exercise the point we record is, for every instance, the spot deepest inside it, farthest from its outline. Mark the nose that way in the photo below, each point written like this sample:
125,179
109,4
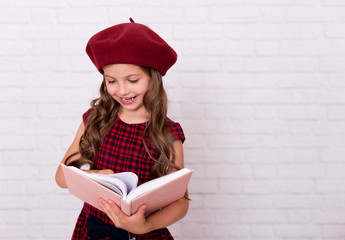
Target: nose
123,89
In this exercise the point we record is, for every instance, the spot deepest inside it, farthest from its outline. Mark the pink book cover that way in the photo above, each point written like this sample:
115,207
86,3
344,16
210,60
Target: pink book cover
90,191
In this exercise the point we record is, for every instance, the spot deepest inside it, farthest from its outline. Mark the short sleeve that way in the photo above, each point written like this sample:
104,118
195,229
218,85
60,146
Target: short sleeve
87,114
176,131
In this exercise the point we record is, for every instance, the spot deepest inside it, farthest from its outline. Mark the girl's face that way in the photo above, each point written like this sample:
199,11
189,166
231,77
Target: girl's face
127,84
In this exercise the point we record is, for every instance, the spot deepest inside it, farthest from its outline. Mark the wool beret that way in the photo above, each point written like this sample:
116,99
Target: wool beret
131,43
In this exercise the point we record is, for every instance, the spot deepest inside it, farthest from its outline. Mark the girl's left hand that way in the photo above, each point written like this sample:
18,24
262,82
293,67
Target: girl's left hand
136,223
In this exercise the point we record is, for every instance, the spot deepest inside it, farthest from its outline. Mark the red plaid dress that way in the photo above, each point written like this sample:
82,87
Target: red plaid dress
122,150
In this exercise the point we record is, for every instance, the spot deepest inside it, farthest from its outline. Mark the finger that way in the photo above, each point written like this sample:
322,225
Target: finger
108,209
115,209
141,210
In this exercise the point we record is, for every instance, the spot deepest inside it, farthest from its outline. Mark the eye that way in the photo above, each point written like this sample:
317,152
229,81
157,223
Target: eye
133,80
110,81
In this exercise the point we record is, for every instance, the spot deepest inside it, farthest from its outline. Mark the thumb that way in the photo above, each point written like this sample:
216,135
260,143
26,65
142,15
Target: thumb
142,209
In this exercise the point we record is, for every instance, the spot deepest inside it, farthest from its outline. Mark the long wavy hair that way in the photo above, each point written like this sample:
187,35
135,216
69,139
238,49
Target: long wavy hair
104,115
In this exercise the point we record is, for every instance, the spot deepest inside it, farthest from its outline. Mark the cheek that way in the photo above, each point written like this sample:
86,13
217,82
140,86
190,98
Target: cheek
110,90
144,88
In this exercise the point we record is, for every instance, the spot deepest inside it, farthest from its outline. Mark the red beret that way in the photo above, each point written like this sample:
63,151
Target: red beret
131,43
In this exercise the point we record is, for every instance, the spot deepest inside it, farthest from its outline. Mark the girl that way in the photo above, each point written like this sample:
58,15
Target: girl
126,129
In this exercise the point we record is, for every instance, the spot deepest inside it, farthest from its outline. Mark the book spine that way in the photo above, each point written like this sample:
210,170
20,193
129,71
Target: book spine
126,208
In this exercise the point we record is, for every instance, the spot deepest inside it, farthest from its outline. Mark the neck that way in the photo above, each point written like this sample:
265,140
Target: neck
134,117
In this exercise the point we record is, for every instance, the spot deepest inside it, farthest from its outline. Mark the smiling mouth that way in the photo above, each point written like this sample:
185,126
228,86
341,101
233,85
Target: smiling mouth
128,99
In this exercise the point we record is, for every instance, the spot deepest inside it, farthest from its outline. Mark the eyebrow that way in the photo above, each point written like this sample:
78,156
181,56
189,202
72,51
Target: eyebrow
134,74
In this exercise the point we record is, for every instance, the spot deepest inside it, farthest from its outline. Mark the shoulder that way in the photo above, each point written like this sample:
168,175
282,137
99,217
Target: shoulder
175,130
87,114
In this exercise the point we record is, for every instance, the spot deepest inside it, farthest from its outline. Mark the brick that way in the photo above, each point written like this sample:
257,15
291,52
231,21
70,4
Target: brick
13,158
193,95
86,15
231,202
334,30
333,231
332,154
310,14
262,201
17,143
326,217
232,64
291,112
335,171
192,230
201,216
329,186
228,171
264,186
12,188
305,48
53,230
332,64
222,230
268,64
297,230
300,216
255,216
273,31
301,127
270,155
196,141
198,15
265,172
298,171
336,112
40,3
199,126
171,15
265,112
15,216
299,80
272,127
268,48
198,31
15,48
234,14
14,15
10,126
226,47
306,155
194,47
233,111
204,186
303,141
43,15
230,186
262,231
273,14
204,64
43,32
196,156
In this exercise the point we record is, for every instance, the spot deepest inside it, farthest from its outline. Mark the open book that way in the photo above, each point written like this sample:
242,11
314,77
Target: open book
123,190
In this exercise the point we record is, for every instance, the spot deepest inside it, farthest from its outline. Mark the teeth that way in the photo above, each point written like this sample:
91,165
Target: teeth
127,99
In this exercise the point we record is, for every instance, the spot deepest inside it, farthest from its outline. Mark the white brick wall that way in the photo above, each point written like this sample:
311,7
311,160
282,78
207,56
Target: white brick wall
259,88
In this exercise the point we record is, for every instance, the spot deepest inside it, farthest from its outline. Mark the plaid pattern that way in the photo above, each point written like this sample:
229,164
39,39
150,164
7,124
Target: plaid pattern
122,150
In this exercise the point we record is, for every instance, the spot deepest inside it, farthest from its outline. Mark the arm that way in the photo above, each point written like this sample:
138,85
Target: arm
59,177
137,223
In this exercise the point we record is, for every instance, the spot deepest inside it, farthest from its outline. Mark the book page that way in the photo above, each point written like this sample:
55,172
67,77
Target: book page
113,181
154,183
129,178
